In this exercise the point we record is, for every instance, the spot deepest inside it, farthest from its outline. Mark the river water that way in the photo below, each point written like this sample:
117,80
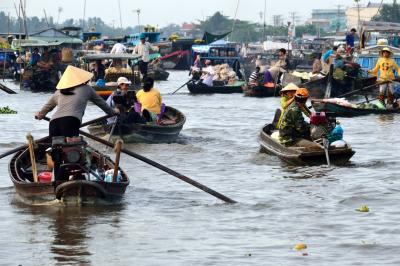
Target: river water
163,221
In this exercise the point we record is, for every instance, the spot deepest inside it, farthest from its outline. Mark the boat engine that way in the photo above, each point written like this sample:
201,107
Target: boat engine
69,157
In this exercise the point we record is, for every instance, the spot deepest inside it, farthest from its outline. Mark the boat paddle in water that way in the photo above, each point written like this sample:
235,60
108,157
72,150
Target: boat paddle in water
163,168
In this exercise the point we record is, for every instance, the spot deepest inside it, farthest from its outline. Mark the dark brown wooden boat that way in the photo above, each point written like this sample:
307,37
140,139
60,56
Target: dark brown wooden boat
199,88
348,111
302,155
172,122
317,88
85,184
261,91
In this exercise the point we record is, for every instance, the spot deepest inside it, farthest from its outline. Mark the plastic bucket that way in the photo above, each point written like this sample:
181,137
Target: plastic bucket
45,177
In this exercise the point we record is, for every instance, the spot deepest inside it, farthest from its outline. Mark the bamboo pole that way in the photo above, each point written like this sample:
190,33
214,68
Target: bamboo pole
117,150
32,155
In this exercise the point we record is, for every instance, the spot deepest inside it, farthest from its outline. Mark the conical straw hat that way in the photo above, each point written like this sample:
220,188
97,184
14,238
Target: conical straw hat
290,87
72,77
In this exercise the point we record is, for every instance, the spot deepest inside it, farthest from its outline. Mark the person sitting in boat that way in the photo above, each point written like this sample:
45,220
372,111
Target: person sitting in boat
327,59
208,74
34,57
293,129
386,66
98,70
71,99
150,100
280,66
122,90
254,78
124,102
287,97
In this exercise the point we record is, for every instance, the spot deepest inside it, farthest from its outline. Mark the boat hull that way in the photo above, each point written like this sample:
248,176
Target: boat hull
143,133
70,191
260,91
204,89
317,88
302,156
347,111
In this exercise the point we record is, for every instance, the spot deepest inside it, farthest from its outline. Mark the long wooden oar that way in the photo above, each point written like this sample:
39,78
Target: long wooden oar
45,138
163,168
325,143
182,86
363,89
32,156
7,89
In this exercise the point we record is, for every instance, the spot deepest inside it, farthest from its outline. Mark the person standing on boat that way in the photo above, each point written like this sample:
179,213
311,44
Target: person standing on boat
35,57
71,99
350,40
208,74
293,129
143,49
386,66
118,48
150,100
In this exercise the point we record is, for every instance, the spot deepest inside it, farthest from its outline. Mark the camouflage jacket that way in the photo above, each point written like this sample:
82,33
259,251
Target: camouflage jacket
293,125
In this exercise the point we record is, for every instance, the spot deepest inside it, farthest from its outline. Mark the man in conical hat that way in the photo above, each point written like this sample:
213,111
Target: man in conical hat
71,98
385,65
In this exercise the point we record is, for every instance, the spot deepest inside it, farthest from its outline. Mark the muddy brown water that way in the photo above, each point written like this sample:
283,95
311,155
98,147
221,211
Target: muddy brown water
163,221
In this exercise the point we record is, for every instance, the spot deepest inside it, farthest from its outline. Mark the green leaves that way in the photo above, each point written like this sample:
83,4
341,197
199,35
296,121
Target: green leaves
7,110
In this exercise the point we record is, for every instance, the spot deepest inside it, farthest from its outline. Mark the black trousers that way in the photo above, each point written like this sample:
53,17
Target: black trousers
67,126
143,68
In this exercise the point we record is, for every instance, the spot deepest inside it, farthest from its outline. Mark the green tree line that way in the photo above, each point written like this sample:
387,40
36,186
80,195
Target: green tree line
389,13
242,31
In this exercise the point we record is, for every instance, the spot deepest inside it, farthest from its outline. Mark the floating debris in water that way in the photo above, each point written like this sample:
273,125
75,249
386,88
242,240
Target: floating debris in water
7,110
363,208
300,246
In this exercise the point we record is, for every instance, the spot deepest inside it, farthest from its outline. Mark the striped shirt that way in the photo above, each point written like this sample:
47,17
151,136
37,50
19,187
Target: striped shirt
254,76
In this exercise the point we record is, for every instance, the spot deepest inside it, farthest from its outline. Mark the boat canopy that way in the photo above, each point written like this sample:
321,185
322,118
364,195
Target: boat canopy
378,26
102,56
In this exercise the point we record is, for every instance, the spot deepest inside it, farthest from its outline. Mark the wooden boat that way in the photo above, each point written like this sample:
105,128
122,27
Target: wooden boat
261,91
348,111
317,88
199,88
112,75
85,183
158,74
302,155
172,122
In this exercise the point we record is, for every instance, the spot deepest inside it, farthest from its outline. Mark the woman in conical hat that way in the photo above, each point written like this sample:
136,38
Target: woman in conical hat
385,66
71,98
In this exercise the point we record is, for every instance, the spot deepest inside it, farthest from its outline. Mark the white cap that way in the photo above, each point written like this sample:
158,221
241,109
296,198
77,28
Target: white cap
123,80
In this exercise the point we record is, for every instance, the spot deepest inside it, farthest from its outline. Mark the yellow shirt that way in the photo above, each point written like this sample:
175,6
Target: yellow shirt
150,100
386,67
